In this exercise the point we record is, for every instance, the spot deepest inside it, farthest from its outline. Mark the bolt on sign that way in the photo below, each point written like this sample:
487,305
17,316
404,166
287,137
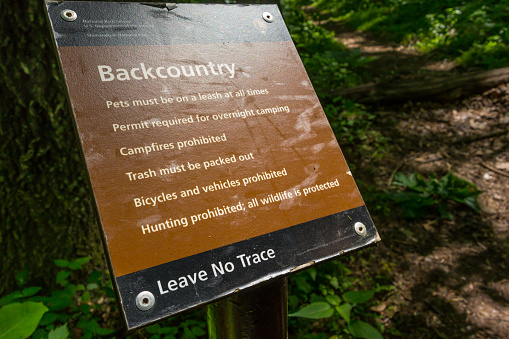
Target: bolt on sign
212,164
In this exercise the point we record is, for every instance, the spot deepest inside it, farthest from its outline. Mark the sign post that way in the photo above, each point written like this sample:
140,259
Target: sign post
211,161
260,312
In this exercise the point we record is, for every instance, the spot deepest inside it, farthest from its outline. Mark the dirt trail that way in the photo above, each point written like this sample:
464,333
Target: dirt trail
451,276
391,60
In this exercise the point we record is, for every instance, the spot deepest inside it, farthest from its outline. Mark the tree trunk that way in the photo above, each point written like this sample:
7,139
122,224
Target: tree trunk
442,89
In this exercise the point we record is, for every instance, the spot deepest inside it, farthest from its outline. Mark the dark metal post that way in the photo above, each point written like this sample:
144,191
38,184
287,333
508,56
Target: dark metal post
260,312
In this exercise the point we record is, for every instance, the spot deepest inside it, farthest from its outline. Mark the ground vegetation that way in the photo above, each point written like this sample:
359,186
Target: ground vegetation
434,173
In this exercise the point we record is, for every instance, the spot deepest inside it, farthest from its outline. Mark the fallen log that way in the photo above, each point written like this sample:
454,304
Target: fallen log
449,88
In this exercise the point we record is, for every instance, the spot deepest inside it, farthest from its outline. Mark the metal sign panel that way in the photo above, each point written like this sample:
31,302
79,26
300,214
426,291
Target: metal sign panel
212,163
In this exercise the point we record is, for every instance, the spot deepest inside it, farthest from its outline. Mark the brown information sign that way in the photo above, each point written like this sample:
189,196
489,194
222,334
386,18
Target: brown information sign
211,160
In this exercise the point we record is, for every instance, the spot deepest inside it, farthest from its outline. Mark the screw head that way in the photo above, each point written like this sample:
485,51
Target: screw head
68,15
267,17
360,229
145,301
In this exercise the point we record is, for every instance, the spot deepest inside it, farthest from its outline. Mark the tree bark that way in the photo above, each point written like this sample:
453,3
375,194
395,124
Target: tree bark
442,89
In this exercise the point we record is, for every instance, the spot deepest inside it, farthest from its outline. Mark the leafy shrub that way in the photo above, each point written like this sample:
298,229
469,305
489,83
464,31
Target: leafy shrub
69,306
474,33
331,66
46,209
84,310
354,126
325,309
336,299
19,320
422,196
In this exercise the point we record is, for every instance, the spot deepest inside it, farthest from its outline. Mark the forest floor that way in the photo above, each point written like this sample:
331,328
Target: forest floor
450,276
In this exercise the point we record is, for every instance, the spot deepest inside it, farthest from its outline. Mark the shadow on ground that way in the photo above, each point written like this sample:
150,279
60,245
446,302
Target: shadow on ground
450,275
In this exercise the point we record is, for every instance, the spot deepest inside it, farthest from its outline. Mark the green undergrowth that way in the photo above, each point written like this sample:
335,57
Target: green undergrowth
44,189
472,33
46,210
330,301
356,129
331,66
420,197
80,308
46,207
331,295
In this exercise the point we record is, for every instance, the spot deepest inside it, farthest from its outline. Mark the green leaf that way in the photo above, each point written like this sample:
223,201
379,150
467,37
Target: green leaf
358,297
360,329
95,277
60,332
78,263
92,286
333,299
188,334
62,277
30,291
198,331
86,310
303,285
71,289
334,282
344,311
190,322
472,203
59,300
9,298
19,320
86,296
170,331
401,179
314,298
109,292
61,262
89,326
312,273
40,334
443,209
105,331
318,310
48,318
293,301
154,329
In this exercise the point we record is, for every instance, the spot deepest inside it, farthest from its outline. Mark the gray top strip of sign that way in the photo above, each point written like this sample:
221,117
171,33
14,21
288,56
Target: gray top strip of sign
134,24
